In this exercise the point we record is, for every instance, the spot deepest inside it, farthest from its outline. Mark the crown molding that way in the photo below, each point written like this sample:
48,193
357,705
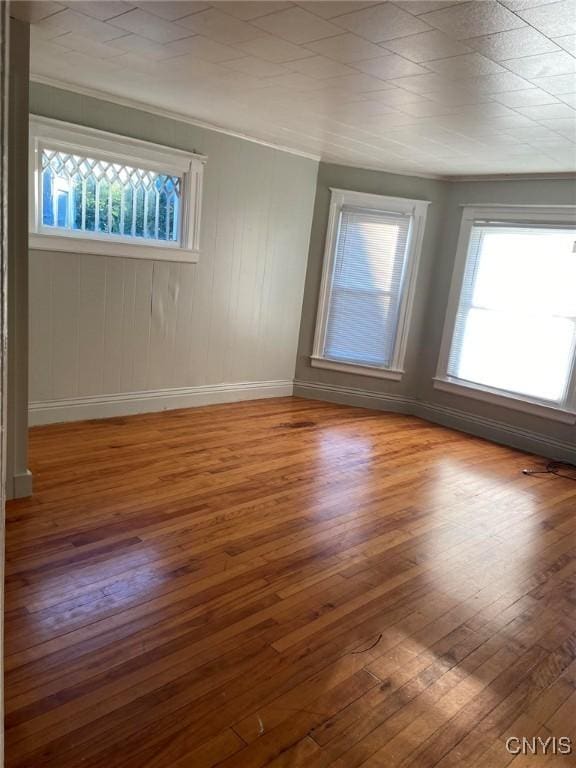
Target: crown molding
181,117
166,113
556,176
520,206
171,115
381,169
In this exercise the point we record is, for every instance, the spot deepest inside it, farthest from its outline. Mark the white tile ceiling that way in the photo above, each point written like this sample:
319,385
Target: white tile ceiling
443,87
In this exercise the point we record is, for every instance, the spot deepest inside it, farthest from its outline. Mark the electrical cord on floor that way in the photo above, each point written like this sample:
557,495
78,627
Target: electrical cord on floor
554,468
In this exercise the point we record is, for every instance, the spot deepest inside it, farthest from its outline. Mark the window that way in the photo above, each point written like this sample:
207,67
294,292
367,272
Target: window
87,195
511,327
370,262
93,192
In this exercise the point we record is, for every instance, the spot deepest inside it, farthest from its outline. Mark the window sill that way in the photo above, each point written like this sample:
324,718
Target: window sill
81,245
551,412
356,368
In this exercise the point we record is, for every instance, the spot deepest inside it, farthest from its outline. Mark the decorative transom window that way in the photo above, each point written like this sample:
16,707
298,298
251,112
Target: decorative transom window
510,332
97,193
372,249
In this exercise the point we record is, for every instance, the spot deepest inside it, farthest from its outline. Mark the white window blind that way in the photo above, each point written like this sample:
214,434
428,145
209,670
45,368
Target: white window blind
366,287
515,328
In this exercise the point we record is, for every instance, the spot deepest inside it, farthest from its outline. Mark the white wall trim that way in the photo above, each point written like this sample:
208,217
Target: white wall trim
356,368
534,176
463,273
408,208
506,400
179,116
47,133
162,156
129,403
489,429
19,486
79,243
151,109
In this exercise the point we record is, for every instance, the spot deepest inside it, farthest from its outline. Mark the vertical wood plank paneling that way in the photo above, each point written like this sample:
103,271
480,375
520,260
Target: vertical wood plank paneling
64,343
185,330
223,255
91,324
214,184
263,235
129,328
41,333
123,325
160,329
114,303
139,341
245,269
271,233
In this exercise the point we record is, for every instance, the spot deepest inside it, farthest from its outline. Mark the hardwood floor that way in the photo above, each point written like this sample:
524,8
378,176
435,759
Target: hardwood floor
286,583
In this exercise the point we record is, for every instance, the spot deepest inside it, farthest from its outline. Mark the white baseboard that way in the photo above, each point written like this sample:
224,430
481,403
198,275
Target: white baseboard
129,403
19,486
490,429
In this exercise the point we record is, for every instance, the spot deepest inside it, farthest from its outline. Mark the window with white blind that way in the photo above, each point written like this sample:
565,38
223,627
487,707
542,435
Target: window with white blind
370,262
96,192
511,325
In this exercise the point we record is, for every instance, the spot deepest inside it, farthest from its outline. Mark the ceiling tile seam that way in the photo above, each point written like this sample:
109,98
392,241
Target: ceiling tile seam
116,15
518,14
352,64
93,93
536,120
550,39
529,84
260,32
425,97
168,114
51,15
381,43
172,21
539,31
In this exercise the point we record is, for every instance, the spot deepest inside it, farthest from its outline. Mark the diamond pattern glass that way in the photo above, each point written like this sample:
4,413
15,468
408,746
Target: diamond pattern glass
83,194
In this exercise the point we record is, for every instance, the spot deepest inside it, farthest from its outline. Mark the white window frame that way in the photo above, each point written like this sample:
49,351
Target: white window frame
417,209
68,137
535,214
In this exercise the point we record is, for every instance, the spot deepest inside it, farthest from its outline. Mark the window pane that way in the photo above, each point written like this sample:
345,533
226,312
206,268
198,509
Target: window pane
87,195
517,353
516,324
366,287
355,317
520,269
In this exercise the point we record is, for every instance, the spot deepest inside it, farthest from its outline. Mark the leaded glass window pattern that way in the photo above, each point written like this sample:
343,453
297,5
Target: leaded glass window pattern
94,196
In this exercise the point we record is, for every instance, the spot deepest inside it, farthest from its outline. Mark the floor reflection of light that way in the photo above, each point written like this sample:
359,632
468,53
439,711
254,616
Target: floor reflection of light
344,446
342,465
115,582
485,528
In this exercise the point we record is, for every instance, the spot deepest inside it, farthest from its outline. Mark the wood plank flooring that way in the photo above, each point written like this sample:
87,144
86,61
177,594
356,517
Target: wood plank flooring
286,583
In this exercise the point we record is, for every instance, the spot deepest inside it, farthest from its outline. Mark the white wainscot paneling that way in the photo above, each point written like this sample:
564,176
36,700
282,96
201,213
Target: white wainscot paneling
105,326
